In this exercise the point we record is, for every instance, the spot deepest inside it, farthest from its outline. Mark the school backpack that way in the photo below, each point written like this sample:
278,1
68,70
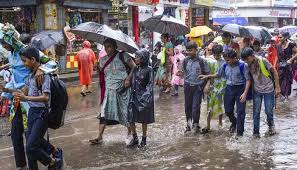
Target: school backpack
241,69
263,71
201,64
58,103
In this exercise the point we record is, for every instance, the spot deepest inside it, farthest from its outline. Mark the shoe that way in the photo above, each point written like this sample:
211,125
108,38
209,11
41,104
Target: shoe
83,94
133,142
8,134
205,130
232,128
22,168
59,154
270,132
174,94
256,136
88,92
143,142
56,166
188,129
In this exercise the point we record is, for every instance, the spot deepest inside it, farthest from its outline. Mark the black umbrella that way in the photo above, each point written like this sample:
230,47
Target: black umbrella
166,24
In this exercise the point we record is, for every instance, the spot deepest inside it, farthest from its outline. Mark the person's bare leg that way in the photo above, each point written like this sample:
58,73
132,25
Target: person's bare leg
97,140
83,90
144,130
220,120
208,121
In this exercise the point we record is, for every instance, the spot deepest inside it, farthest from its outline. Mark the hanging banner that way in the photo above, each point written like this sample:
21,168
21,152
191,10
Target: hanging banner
149,3
221,3
204,2
50,17
283,3
178,3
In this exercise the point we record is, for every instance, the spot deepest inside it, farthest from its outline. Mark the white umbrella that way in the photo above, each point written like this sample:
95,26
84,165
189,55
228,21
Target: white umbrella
166,24
290,29
237,30
98,33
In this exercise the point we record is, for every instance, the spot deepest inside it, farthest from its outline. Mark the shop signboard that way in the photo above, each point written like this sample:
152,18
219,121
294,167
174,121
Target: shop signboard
179,3
148,3
283,3
204,2
252,12
221,3
50,16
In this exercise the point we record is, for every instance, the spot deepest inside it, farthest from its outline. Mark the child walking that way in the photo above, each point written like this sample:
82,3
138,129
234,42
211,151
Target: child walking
194,87
141,105
265,78
177,61
37,148
215,97
238,84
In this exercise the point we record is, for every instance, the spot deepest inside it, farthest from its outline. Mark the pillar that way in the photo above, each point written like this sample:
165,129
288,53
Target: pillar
135,19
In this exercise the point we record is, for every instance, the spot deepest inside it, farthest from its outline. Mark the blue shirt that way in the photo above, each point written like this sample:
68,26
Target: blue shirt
35,91
233,75
19,73
195,67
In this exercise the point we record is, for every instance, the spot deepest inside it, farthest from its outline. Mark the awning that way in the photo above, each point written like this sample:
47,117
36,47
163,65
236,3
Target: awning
90,4
230,20
15,3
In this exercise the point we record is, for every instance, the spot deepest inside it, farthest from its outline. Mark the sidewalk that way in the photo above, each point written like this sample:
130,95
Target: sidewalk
71,77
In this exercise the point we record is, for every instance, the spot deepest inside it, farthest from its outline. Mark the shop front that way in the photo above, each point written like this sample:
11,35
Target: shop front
268,17
77,12
20,13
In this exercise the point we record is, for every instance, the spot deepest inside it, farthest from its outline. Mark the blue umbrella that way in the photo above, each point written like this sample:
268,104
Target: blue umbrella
45,39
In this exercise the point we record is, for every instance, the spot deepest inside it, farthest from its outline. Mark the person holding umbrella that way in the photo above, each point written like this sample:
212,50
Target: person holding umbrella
114,106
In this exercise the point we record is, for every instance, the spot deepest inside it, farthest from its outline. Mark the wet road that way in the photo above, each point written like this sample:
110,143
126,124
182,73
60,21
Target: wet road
168,147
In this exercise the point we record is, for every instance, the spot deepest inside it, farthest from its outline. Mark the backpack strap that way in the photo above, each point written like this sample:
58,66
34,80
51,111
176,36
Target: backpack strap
263,68
241,68
224,67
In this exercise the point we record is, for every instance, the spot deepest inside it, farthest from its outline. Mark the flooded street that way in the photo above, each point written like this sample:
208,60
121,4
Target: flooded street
168,147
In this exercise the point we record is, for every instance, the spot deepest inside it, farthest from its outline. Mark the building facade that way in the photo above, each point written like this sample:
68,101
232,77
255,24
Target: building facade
268,13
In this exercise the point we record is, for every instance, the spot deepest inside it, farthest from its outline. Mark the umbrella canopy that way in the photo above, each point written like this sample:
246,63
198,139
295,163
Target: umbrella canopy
294,37
199,31
258,32
236,30
166,24
290,29
45,39
98,33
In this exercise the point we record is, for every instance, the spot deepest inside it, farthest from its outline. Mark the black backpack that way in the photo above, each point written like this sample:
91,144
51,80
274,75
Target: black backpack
59,102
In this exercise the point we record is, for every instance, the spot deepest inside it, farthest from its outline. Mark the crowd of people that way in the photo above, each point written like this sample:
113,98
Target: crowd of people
225,70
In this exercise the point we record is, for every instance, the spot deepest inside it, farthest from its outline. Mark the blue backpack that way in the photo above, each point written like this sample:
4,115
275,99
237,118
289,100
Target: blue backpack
241,68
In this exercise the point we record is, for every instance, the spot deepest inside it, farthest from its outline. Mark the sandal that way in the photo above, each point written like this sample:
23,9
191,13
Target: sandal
83,94
95,141
205,130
